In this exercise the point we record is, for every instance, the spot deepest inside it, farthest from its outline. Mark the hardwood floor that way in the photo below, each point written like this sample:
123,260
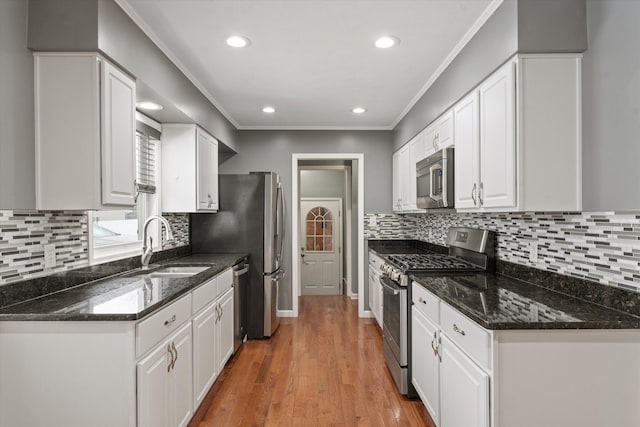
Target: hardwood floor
324,368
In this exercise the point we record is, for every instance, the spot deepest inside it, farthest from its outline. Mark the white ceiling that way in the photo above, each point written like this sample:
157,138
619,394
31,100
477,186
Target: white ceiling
313,60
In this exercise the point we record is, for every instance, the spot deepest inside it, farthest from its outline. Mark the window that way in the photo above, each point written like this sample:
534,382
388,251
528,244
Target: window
319,227
118,234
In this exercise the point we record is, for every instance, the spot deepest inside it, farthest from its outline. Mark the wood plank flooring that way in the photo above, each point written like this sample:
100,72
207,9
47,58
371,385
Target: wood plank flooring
324,368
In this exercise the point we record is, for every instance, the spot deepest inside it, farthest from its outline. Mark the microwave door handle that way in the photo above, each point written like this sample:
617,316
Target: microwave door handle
432,174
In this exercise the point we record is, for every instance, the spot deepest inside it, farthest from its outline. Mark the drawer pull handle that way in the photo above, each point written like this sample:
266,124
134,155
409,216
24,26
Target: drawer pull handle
458,330
175,350
171,353
421,300
170,321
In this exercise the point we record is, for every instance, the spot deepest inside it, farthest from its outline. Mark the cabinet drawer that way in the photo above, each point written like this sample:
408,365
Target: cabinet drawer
470,337
157,326
204,294
426,302
225,281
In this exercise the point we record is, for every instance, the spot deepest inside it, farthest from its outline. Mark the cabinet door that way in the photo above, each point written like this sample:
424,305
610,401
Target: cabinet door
467,153
404,164
445,131
118,137
181,387
416,149
464,397
497,139
207,171
153,388
372,278
225,329
379,303
396,182
425,366
204,352
430,140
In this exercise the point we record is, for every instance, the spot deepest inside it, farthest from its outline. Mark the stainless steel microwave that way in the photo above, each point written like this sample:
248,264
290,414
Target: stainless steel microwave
434,180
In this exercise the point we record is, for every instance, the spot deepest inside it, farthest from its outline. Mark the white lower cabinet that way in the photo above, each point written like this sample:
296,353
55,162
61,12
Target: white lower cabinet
425,375
464,389
165,382
153,372
468,376
225,329
375,288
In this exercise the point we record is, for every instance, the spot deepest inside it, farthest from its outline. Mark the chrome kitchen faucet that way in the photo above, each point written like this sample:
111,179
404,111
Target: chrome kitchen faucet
147,251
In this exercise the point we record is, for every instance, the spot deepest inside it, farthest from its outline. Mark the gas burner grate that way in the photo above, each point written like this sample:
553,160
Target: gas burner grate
431,262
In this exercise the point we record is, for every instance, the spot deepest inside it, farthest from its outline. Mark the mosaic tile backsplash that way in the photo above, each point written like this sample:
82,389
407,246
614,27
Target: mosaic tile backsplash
23,235
598,246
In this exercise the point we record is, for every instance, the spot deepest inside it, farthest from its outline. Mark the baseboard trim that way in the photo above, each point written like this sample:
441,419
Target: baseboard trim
354,296
285,313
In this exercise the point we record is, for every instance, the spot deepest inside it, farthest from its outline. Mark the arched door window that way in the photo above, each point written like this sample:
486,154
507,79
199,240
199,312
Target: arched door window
319,227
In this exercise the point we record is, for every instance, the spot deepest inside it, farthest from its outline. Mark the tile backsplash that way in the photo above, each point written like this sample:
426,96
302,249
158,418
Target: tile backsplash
598,246
24,234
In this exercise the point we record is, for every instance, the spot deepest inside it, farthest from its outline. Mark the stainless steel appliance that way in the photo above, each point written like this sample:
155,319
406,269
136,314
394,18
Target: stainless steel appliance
434,180
470,250
250,220
240,283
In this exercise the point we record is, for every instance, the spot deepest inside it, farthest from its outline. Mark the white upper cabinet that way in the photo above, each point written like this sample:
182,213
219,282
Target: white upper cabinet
189,169
518,140
497,186
85,133
404,175
467,152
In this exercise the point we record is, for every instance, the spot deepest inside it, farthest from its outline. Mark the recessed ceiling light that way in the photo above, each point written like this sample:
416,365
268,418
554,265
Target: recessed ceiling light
148,105
268,110
358,110
386,42
238,41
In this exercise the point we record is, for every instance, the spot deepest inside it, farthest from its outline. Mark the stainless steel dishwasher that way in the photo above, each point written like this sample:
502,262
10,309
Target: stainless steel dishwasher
240,283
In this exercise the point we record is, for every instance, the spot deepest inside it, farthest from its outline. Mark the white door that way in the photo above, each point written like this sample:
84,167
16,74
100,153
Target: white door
204,352
426,364
464,393
396,183
207,171
118,137
153,387
181,390
320,254
497,140
225,329
467,155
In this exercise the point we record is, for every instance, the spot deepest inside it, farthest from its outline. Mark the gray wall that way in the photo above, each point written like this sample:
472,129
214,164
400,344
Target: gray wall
17,140
611,106
517,25
101,25
272,150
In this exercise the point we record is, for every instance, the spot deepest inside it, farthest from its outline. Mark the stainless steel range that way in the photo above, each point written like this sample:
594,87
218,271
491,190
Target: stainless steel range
470,251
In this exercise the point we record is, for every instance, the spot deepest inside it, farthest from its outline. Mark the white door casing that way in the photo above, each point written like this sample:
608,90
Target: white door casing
321,245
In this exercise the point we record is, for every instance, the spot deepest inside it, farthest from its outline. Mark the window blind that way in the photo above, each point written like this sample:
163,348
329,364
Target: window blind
145,164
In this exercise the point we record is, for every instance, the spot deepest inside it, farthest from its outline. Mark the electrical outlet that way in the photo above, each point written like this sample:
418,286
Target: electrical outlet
373,221
533,251
49,256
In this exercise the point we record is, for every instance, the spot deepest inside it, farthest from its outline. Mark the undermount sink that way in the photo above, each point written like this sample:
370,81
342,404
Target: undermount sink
177,271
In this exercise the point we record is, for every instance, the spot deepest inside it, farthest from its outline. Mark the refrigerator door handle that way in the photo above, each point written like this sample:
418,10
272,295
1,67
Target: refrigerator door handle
280,213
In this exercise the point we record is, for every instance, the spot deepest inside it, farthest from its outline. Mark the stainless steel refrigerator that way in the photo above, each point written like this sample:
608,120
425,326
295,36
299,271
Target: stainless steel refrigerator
250,219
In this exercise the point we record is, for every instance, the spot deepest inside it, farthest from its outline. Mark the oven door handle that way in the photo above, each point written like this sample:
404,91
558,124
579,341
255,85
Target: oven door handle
394,291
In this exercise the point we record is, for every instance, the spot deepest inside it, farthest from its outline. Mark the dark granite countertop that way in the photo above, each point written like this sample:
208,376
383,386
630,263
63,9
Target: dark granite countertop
500,302
122,297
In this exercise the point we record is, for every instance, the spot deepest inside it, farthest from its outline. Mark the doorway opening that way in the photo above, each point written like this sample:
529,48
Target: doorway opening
322,265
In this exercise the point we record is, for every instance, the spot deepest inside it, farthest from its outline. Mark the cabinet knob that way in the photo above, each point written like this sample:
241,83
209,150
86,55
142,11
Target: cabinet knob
422,301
